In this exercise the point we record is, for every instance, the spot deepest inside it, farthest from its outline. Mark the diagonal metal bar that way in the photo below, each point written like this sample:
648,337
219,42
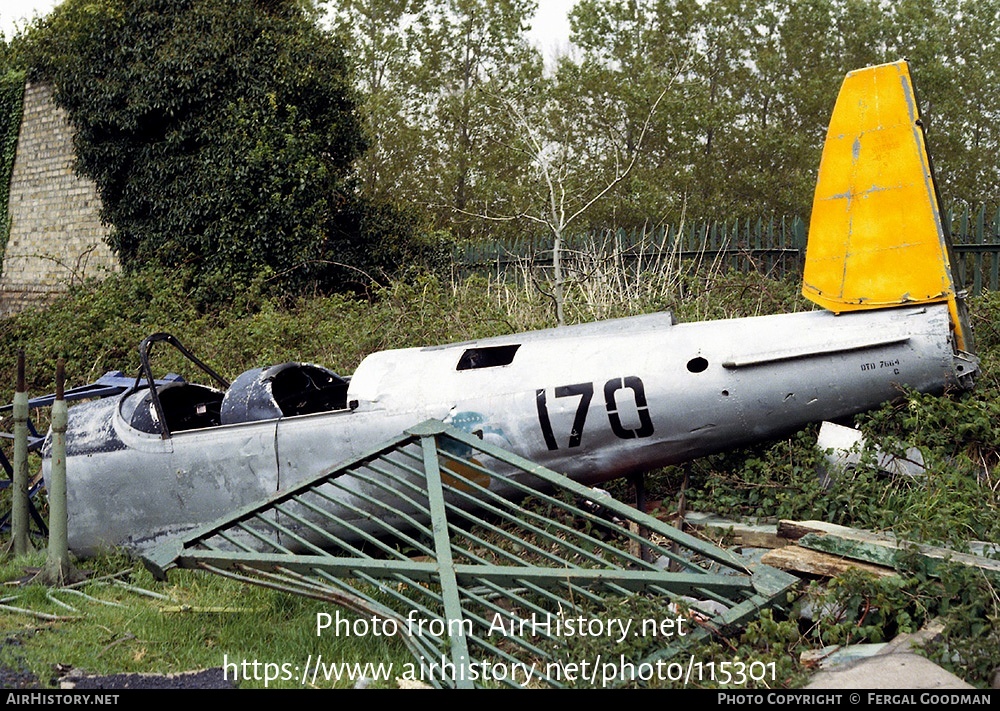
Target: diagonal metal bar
446,570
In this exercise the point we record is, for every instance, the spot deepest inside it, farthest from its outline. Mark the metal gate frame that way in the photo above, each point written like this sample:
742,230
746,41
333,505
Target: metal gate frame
478,565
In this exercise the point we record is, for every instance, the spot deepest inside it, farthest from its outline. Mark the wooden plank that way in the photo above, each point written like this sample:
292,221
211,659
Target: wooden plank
802,560
882,549
791,530
794,530
738,534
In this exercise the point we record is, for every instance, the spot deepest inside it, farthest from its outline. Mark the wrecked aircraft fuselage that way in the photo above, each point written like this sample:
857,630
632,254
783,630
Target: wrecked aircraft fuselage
595,402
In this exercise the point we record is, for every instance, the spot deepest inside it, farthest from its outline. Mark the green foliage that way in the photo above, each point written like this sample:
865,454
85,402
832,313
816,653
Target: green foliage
459,109
971,637
98,325
11,106
221,136
953,502
858,607
742,131
776,479
434,77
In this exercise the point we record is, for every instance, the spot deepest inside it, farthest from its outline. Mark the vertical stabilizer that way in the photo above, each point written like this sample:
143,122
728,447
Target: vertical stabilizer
875,237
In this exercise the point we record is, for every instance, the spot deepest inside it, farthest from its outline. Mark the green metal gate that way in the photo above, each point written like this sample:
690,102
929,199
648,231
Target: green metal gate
469,578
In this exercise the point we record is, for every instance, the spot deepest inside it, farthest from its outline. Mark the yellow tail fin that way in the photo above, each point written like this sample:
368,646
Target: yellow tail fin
875,237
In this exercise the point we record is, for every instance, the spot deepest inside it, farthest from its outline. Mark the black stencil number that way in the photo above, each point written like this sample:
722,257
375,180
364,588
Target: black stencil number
634,384
585,391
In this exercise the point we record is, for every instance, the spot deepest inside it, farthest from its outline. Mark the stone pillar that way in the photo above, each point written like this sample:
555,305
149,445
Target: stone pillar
56,236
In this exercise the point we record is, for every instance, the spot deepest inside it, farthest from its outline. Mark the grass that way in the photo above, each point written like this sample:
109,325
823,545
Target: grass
193,621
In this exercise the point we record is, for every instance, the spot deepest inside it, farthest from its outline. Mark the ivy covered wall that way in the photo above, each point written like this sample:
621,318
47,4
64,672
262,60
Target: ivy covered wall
11,109
56,236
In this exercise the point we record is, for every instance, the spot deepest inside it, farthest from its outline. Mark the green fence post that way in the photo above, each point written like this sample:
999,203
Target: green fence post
995,256
59,568
19,499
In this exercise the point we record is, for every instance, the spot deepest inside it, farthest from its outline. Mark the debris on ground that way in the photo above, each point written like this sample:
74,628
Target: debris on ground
825,549
845,447
797,559
892,665
202,679
736,533
816,549
882,549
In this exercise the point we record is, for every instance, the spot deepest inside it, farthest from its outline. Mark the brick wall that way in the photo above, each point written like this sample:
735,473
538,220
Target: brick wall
56,237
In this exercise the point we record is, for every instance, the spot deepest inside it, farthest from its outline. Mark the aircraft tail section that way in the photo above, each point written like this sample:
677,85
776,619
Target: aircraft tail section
876,238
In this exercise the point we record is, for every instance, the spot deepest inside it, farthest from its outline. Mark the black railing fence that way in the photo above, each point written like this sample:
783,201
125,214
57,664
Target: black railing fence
774,246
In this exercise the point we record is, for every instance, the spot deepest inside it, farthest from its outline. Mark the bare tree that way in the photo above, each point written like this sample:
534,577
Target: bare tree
561,159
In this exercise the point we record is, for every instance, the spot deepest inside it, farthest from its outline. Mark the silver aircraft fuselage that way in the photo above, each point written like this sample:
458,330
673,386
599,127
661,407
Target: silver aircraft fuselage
595,402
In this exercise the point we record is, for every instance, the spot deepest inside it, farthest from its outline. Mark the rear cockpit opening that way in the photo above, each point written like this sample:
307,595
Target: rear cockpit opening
284,390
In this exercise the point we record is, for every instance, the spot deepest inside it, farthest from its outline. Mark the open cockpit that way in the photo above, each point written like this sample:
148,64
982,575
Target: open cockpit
283,390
